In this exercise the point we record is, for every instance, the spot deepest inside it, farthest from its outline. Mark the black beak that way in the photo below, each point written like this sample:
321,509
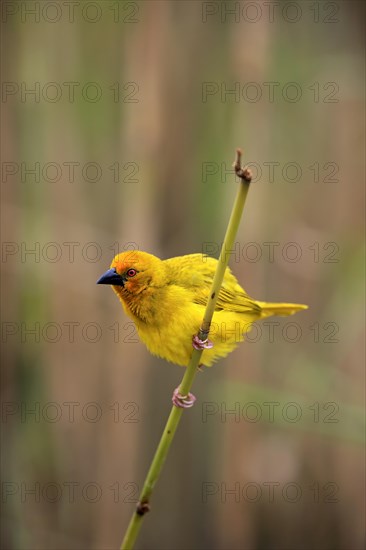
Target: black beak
111,277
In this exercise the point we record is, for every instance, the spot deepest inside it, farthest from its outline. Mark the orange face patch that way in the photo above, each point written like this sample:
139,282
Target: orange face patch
127,260
120,266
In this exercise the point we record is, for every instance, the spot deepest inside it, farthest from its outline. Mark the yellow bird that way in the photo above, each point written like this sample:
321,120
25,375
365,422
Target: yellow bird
166,299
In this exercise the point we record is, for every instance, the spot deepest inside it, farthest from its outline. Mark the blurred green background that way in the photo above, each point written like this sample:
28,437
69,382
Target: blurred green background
120,122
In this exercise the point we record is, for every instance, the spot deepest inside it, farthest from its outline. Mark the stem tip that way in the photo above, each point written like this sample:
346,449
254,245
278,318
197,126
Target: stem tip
242,173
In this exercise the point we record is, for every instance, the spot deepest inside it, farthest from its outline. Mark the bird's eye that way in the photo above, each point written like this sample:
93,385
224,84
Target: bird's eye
131,272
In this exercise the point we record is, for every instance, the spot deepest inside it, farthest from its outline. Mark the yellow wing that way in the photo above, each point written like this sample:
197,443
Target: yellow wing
196,272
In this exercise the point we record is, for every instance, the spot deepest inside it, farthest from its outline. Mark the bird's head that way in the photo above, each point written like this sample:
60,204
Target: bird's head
133,272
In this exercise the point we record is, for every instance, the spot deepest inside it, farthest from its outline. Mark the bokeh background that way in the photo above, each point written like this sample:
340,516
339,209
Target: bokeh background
120,122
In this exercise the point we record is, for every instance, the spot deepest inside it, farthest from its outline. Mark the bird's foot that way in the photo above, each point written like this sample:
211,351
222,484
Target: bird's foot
183,401
201,344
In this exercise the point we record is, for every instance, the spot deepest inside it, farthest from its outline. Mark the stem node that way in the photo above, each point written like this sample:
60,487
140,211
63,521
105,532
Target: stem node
142,508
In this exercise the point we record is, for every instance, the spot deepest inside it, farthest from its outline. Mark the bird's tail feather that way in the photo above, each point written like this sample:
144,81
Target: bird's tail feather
268,309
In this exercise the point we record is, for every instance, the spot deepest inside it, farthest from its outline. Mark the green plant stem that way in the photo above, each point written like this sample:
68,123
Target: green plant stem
191,371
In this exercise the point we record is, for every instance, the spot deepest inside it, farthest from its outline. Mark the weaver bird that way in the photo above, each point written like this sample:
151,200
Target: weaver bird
166,299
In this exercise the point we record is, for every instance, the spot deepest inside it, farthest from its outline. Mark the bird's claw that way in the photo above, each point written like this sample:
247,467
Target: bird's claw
201,344
187,401
183,401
